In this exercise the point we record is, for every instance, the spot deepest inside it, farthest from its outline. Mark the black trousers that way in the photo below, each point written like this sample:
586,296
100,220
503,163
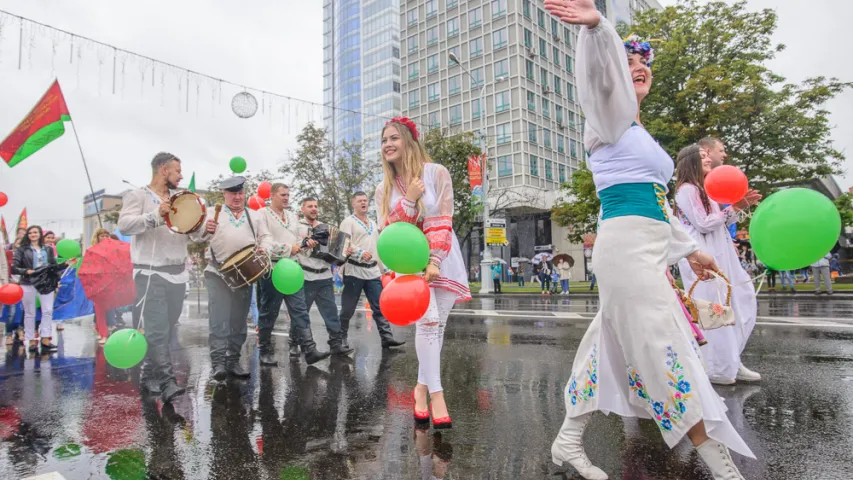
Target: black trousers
270,307
323,293
227,316
497,285
372,288
159,314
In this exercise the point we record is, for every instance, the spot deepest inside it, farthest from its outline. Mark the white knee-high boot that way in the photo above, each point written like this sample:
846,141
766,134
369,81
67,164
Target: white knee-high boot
718,459
568,447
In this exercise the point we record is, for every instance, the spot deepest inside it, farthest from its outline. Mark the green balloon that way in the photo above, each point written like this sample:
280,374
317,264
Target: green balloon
126,465
294,473
287,276
794,228
67,451
238,164
68,248
125,348
403,248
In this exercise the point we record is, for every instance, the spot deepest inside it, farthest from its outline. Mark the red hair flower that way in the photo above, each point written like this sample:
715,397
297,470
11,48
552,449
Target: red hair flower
413,129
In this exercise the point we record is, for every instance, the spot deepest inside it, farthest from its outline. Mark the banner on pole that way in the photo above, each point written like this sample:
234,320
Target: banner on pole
496,232
475,176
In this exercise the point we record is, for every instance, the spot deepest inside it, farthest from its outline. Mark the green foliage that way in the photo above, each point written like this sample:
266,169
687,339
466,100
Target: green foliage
579,207
844,204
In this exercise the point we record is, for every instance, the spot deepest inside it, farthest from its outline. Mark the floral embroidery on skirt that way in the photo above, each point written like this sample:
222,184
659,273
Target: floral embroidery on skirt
588,388
668,412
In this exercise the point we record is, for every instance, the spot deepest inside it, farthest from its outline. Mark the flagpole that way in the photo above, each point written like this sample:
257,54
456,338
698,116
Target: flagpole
89,178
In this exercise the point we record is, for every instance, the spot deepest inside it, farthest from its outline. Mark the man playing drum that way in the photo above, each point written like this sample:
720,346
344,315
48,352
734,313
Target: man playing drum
318,280
229,306
281,224
158,256
362,270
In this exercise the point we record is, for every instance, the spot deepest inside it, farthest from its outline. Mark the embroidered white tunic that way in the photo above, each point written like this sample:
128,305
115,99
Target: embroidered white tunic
233,233
282,229
638,358
363,238
306,260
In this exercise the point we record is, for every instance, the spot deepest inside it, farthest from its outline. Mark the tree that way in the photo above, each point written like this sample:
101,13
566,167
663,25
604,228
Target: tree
579,206
844,203
331,174
710,78
213,194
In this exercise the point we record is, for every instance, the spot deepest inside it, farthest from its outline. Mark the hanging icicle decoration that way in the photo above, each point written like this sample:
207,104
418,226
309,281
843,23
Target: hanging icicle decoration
244,105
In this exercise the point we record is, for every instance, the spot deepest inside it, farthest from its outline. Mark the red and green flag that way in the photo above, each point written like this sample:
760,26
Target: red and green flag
3,229
22,221
44,124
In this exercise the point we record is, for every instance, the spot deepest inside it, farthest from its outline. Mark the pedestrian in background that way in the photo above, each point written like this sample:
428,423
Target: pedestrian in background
509,274
565,271
545,277
497,269
788,279
519,273
821,269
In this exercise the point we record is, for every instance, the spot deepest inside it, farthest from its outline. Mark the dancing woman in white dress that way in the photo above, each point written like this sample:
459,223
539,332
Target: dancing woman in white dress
708,224
638,358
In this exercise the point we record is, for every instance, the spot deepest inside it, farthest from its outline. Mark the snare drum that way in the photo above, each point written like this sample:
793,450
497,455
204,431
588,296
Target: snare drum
244,267
187,213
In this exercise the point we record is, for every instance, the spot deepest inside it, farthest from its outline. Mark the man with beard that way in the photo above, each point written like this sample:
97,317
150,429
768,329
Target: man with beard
158,256
362,271
715,149
282,224
318,280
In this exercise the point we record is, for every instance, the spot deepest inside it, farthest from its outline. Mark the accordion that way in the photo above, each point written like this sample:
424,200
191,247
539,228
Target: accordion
332,244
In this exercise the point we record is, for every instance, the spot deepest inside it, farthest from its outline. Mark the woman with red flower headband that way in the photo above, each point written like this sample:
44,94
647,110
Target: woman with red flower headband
420,192
638,357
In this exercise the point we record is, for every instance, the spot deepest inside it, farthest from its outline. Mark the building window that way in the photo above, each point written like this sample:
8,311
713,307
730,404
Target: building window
549,172
528,38
562,174
498,8
541,18
432,36
412,16
434,91
505,165
434,121
543,49
475,47
413,44
561,144
414,98
531,101
502,102
453,27
503,133
570,92
543,76
475,17
546,137
451,3
499,38
432,63
574,149
559,110
531,133
568,64
534,166
454,85
558,87
572,120
414,70
567,36
528,67
477,77
546,108
502,68
456,114
475,108
556,56
555,28
431,8
526,8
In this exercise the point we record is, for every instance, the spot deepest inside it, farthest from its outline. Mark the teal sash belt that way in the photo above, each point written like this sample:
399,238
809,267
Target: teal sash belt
637,199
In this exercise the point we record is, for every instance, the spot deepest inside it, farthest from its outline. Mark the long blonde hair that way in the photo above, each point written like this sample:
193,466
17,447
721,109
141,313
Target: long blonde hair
413,163
98,233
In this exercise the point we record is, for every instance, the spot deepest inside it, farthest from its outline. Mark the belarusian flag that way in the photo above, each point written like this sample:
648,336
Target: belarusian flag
3,229
43,125
192,183
22,221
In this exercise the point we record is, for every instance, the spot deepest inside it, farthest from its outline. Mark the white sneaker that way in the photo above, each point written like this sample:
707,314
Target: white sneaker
721,381
718,459
746,375
567,447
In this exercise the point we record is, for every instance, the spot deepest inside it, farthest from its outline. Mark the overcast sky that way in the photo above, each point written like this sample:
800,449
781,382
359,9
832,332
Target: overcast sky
273,45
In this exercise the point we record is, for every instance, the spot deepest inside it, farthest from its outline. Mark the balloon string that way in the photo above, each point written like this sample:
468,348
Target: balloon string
147,285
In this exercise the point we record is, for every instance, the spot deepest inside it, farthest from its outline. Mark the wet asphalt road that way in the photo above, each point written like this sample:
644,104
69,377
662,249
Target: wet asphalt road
351,418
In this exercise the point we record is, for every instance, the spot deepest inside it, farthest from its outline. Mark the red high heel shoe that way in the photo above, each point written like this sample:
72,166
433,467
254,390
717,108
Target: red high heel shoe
421,418
441,423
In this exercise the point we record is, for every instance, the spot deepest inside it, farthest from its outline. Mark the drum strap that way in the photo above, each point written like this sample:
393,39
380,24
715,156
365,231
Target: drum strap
215,262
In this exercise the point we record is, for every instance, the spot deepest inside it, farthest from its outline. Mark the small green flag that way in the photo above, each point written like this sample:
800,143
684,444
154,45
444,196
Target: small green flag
192,183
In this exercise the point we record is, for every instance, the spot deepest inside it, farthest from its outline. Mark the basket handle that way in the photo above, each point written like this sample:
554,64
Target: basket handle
728,288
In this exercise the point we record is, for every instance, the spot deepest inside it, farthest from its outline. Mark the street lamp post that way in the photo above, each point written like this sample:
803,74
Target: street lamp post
486,262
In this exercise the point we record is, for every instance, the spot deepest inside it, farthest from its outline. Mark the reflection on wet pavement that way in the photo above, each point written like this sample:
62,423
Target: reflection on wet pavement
350,418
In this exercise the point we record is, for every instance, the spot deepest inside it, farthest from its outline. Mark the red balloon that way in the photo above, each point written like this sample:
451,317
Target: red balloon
386,279
3,199
11,293
405,300
256,202
726,184
265,190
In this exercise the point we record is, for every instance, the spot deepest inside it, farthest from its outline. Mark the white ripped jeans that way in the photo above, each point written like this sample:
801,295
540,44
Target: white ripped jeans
46,328
429,337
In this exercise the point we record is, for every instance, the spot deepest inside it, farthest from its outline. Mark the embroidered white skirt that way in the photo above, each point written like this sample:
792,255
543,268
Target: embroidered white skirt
638,358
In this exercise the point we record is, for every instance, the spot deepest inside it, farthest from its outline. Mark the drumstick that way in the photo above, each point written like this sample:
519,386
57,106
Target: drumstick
218,209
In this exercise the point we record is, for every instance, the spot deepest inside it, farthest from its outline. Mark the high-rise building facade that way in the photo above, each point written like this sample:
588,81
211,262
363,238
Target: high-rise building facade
361,69
520,100
624,10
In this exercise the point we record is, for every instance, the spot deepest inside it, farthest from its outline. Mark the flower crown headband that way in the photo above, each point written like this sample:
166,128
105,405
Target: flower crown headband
413,129
633,44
